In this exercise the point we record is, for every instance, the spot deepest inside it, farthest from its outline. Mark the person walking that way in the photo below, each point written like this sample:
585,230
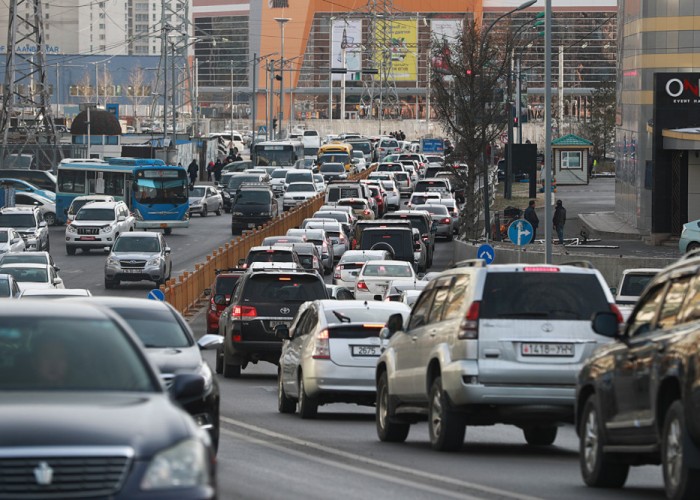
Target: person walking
531,216
218,167
210,170
193,171
559,220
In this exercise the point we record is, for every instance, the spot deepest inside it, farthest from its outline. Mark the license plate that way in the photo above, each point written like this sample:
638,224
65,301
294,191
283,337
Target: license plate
251,224
87,238
366,350
132,271
562,350
275,324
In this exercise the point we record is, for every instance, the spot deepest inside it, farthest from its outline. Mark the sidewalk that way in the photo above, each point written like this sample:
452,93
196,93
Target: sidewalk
607,225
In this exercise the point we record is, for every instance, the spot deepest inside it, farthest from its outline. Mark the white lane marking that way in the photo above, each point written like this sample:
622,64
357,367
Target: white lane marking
351,468
379,463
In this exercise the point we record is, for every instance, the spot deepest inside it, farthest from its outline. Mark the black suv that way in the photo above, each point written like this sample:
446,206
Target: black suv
261,301
233,183
422,221
397,240
638,397
253,205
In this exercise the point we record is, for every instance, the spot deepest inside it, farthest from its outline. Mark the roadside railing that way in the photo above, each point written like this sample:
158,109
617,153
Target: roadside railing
185,291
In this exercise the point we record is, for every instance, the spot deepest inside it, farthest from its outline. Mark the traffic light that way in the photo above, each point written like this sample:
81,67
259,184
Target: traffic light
274,124
469,72
514,116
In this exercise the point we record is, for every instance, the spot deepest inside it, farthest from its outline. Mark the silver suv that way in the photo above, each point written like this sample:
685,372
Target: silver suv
137,256
30,224
98,225
501,344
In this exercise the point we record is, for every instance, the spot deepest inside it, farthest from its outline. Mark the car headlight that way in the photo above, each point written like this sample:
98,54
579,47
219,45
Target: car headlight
112,262
71,229
106,229
155,261
196,203
182,466
225,194
206,374
265,214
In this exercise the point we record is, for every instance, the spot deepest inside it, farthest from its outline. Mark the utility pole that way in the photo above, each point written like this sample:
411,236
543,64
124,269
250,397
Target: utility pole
282,21
231,94
343,58
547,131
254,104
270,130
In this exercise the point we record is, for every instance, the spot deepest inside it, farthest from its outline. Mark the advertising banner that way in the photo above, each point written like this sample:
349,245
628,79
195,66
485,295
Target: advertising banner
401,42
353,51
445,31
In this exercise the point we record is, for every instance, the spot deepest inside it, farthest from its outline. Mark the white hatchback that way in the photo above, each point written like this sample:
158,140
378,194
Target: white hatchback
376,276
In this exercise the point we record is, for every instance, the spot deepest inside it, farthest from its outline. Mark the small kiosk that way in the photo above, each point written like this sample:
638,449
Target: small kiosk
571,155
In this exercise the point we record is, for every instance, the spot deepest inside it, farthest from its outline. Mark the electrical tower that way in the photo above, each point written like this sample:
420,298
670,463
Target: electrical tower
379,86
26,121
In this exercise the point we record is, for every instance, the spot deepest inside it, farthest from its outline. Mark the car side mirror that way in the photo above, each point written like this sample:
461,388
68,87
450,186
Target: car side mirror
241,262
167,250
210,341
605,323
187,387
282,332
207,292
220,299
105,249
42,223
121,218
57,281
395,323
613,290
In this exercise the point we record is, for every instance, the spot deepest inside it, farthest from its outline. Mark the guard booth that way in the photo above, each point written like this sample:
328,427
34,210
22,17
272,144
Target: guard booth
571,155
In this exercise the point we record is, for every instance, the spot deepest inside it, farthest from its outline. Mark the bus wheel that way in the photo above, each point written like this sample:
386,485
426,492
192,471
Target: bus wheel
167,231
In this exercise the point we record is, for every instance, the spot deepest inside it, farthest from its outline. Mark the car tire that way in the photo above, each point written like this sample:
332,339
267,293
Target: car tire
70,250
680,481
203,213
692,246
598,469
284,403
218,211
308,407
219,367
50,218
231,371
388,430
446,427
540,435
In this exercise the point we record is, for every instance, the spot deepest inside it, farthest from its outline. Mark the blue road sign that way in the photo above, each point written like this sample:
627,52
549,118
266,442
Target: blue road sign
156,294
486,252
262,129
520,232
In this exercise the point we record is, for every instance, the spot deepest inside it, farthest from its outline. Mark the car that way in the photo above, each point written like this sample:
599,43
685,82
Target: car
252,205
335,232
298,193
43,179
262,300
336,292
28,258
378,198
333,171
11,241
85,408
268,254
297,175
338,190
376,276
9,288
237,166
308,255
636,397
422,199
171,345
389,167
33,275
423,222
386,146
398,241
350,264
277,180
441,217
360,207
631,286
79,201
24,186
323,243
452,207
329,353
54,293
47,206
393,196
219,295
205,199
232,182
409,297
97,225
403,183
30,224
358,159
434,185
499,344
690,237
138,256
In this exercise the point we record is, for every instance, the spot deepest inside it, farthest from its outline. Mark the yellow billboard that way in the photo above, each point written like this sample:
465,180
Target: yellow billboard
398,41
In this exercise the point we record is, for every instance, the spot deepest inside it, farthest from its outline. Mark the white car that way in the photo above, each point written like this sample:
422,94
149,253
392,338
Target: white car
33,275
11,241
297,193
97,225
422,198
277,178
350,264
393,196
80,201
359,161
54,293
335,232
46,206
296,175
205,199
376,276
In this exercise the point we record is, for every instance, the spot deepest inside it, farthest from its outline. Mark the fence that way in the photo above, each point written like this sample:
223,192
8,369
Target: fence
186,290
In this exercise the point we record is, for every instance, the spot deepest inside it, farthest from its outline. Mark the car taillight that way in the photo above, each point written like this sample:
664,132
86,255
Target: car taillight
354,243
236,337
244,312
361,285
469,328
446,220
315,262
322,348
212,305
366,212
426,237
336,273
616,310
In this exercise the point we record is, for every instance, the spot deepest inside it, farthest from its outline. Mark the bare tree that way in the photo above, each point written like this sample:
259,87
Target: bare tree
85,90
107,90
136,92
467,74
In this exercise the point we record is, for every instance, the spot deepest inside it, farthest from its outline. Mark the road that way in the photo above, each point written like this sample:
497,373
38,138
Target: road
267,455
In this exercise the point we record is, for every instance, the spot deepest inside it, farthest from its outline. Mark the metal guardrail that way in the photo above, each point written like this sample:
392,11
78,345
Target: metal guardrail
186,290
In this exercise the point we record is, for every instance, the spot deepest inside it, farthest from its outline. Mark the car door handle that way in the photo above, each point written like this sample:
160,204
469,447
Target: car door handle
414,338
433,332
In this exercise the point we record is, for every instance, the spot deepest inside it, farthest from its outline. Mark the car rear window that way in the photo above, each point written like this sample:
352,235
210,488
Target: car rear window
400,241
431,186
156,329
634,285
391,167
252,197
270,256
546,295
417,221
284,288
335,193
224,285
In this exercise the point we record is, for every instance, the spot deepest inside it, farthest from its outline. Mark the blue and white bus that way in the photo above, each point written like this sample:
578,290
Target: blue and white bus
156,193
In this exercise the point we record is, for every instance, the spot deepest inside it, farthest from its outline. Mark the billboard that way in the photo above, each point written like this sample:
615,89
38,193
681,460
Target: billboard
353,51
400,39
445,31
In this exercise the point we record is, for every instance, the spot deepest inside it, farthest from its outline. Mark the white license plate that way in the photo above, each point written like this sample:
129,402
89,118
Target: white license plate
562,350
366,350
275,324
132,271
251,224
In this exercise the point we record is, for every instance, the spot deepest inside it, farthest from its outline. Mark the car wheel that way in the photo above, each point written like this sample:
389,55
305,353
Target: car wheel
681,482
50,219
388,430
692,246
598,469
218,210
203,213
446,427
284,404
219,362
231,371
540,435
70,250
308,407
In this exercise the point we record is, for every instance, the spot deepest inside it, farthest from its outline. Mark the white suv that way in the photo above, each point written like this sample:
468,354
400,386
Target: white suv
486,345
97,225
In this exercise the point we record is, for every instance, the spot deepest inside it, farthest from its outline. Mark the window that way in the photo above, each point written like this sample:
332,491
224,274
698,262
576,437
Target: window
442,289
571,160
419,315
71,181
101,26
643,317
454,299
691,311
668,317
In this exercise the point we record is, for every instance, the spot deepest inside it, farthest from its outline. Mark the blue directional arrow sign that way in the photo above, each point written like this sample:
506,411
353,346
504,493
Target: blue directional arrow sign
156,294
486,253
520,232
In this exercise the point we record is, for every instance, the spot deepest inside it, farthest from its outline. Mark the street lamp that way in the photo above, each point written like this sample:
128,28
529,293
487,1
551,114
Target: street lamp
281,21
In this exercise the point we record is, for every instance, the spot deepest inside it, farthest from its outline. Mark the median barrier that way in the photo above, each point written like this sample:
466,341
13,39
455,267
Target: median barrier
186,291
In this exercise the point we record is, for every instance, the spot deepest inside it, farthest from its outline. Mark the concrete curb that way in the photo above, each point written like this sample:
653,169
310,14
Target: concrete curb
606,225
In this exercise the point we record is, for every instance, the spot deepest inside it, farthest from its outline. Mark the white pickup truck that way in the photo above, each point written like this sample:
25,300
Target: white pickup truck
631,286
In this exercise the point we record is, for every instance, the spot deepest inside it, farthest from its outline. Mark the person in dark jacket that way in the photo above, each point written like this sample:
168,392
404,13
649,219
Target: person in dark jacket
218,167
559,220
193,172
531,216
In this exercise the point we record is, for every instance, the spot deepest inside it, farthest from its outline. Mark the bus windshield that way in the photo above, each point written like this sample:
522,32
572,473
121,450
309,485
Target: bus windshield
161,189
266,156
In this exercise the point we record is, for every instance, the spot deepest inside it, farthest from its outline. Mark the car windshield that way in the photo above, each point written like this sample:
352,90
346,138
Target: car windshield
279,174
138,244
156,329
77,205
65,354
236,180
27,274
363,147
3,236
298,177
420,199
284,288
300,187
397,270
197,192
390,167
328,168
95,214
252,197
17,220
23,258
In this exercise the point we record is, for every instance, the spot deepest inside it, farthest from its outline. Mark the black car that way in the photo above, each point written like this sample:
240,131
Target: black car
638,397
424,223
170,344
253,205
261,301
86,415
397,240
231,182
333,172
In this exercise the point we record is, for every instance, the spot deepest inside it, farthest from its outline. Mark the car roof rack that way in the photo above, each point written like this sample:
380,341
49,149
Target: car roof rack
228,270
253,185
469,263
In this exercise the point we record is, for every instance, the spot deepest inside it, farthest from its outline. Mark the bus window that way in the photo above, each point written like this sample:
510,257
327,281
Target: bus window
70,181
114,183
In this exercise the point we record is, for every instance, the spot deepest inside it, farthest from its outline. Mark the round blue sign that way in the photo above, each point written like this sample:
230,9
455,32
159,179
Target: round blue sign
156,294
486,253
520,232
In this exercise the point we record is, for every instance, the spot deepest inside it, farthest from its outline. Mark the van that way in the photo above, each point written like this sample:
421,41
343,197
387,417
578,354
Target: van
349,189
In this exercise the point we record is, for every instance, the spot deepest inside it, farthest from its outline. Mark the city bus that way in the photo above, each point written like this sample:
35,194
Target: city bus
276,153
156,193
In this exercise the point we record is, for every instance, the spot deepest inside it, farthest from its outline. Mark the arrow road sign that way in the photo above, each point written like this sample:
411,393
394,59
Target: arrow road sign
520,232
486,253
156,294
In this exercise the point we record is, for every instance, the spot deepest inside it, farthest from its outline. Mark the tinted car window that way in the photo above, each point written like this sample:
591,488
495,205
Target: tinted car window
283,288
155,328
224,285
641,321
252,197
3,236
17,220
419,315
454,298
551,295
27,275
270,256
332,168
400,241
672,303
25,257
417,222
335,193
4,288
95,214
398,270
634,285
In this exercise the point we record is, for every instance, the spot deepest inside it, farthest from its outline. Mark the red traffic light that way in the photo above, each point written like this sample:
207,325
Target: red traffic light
469,72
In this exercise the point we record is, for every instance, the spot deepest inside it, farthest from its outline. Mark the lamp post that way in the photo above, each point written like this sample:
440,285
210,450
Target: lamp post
281,21
547,131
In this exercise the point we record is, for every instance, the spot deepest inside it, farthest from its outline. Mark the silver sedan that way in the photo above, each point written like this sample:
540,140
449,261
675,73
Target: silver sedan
440,215
205,199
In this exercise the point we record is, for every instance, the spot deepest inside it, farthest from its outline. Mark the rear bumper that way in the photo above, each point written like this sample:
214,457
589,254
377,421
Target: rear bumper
329,382
248,222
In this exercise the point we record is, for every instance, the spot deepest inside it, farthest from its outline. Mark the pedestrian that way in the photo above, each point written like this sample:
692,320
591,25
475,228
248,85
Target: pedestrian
231,148
531,216
559,220
193,171
210,170
403,136
218,167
